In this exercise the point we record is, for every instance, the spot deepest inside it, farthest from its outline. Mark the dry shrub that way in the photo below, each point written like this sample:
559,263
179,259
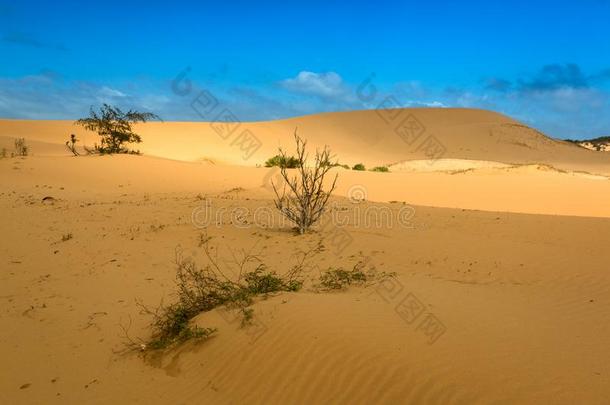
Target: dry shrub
21,149
303,198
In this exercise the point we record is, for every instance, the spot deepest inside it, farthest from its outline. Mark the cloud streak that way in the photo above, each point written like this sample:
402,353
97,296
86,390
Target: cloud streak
22,39
550,78
553,77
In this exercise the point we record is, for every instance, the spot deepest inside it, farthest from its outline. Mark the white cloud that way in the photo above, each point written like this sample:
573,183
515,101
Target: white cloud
328,85
431,104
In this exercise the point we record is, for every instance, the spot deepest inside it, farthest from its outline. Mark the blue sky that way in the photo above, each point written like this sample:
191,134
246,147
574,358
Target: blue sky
547,64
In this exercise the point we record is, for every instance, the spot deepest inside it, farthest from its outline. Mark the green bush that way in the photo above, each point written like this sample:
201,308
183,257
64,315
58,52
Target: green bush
383,169
358,166
172,326
261,281
287,162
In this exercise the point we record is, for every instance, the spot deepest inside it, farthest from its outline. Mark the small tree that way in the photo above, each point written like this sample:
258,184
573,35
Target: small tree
71,144
114,127
303,198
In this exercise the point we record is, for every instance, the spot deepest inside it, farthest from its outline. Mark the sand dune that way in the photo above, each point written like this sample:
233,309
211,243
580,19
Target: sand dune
506,247
368,137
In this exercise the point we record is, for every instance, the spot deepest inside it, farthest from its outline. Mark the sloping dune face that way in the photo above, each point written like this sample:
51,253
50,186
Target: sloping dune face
372,137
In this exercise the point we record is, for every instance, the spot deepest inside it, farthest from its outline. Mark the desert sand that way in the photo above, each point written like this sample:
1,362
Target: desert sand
504,243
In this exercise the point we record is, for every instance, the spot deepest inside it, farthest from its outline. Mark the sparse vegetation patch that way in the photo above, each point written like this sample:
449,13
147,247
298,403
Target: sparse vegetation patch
202,289
339,278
